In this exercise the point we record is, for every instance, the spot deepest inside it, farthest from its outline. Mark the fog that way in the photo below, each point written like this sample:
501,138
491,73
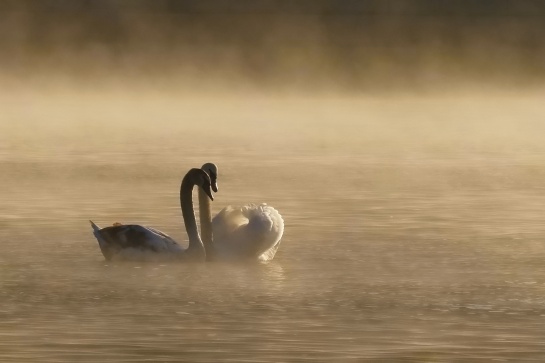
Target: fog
400,140
301,45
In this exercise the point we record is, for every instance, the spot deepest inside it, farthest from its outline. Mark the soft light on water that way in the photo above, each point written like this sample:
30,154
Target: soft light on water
414,229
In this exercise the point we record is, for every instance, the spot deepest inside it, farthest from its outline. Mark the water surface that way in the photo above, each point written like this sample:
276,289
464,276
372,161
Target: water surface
414,229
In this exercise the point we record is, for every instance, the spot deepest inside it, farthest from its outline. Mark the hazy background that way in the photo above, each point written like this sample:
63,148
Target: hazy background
402,142
303,44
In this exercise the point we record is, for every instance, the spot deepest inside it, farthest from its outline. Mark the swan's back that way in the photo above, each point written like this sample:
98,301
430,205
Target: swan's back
252,231
136,243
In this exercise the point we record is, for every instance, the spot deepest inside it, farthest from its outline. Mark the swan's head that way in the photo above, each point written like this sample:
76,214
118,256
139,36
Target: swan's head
212,170
199,178
204,182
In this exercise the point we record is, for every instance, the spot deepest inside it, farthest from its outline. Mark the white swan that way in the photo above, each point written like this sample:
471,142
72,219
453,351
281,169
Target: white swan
139,243
249,232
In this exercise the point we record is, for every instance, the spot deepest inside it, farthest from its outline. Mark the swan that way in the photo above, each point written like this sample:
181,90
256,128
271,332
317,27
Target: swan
249,232
135,242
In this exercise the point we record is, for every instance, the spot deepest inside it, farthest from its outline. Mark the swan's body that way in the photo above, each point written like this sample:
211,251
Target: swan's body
250,232
135,242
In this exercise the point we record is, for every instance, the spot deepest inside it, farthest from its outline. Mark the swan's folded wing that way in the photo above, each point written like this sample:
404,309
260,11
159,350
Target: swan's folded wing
163,235
267,227
128,241
252,231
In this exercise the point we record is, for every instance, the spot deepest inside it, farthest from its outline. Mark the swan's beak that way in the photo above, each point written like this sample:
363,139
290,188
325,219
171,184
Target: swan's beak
209,193
214,181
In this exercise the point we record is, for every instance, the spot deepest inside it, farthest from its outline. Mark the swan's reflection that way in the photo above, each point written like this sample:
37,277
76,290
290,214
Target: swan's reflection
253,276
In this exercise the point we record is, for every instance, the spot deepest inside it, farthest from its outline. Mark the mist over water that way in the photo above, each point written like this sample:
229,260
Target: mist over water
301,45
413,217
413,228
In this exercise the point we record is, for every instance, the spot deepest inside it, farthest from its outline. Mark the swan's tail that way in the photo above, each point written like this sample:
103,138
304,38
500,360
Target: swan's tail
101,241
95,227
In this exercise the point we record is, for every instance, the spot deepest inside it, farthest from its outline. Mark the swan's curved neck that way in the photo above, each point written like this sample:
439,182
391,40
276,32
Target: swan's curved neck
205,217
196,247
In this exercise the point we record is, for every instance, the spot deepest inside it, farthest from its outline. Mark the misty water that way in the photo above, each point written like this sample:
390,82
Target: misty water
414,227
